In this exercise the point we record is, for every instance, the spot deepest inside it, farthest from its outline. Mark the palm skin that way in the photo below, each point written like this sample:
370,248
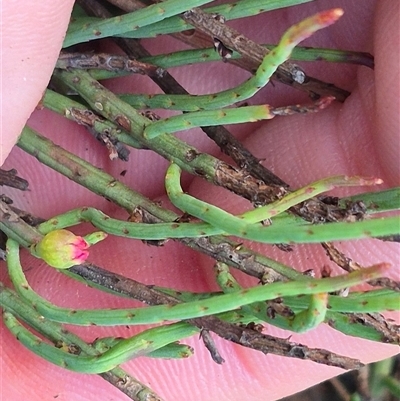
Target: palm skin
357,137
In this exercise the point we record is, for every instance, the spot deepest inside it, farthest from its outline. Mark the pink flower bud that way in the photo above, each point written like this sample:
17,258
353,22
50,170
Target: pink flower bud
61,249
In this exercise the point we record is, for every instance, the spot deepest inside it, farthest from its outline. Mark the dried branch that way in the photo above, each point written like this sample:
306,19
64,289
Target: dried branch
10,179
350,265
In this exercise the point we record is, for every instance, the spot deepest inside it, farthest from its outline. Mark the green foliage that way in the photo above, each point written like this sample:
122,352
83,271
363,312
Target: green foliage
309,302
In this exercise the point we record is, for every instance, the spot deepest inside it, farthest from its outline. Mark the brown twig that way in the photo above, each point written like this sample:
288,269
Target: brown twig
130,387
108,62
10,179
211,347
350,265
390,333
88,119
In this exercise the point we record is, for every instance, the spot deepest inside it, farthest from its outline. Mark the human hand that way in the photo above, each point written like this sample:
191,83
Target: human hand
359,137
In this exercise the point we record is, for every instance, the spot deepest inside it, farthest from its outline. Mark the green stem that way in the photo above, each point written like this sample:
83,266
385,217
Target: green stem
233,225
85,174
182,311
86,29
169,351
125,350
239,9
208,118
308,319
12,304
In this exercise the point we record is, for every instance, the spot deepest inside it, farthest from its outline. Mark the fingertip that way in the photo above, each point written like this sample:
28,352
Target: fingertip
32,36
387,84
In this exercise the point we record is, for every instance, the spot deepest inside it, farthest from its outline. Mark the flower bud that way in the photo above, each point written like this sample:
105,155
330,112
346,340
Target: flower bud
62,249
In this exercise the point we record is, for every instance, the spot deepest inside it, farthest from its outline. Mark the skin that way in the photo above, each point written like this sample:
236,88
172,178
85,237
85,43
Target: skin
358,137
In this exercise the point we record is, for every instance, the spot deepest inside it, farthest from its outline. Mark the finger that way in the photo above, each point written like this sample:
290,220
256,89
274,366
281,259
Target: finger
387,103
32,35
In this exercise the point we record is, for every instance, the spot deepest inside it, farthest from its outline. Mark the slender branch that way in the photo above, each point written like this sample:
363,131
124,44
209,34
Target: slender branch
286,73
